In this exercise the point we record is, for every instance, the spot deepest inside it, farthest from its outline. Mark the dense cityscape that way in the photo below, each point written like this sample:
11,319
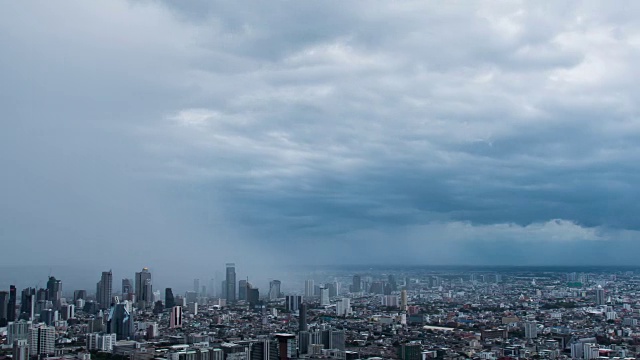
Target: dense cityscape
375,313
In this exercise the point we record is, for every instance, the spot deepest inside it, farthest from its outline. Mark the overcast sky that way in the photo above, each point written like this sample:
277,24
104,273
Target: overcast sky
184,134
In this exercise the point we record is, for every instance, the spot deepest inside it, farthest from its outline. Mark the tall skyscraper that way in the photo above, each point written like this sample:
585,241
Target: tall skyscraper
27,304
4,304
144,290
79,294
308,288
403,300
324,297
54,289
242,290
120,322
302,319
231,283
104,290
11,307
274,289
169,300
600,299
293,302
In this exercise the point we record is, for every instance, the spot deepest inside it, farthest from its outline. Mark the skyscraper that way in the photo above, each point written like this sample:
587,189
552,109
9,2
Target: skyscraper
242,290
274,289
120,322
302,319
292,302
54,290
20,350
11,307
324,296
231,283
169,300
600,299
144,290
42,340
104,290
196,286
308,288
27,304
4,304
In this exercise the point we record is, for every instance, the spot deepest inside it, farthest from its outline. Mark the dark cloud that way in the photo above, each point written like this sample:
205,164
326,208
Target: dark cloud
238,129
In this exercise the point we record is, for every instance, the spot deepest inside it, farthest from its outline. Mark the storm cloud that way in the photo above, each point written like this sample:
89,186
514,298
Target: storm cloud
320,132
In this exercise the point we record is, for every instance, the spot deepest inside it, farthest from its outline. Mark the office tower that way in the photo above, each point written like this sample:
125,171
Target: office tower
333,289
403,300
101,342
127,288
324,296
231,283
47,316
223,289
274,289
302,319
169,300
176,317
343,307
293,302
11,307
54,290
27,304
253,295
242,290
42,340
196,286
144,290
308,288
357,283
263,350
79,294
104,290
600,299
530,330
120,322
332,339
20,350
4,304
18,330
193,308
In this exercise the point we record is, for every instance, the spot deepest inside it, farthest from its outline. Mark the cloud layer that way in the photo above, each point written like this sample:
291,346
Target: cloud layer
325,128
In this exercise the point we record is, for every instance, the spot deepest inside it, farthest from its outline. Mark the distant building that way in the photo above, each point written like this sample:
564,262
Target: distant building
54,290
42,340
242,290
324,297
293,302
230,283
4,304
176,317
530,330
101,342
410,351
274,289
357,284
144,289
169,300
104,290
308,288
343,307
600,296
120,322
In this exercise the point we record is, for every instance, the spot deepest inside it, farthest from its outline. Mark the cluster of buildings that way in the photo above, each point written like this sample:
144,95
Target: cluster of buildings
375,314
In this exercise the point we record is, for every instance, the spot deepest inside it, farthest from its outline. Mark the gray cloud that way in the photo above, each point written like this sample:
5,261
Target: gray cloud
322,127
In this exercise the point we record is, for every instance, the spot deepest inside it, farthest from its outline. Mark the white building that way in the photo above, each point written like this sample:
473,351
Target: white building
324,297
42,340
343,307
101,342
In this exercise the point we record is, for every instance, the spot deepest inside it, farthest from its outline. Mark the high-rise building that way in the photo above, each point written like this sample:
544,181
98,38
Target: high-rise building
333,289
324,297
176,317
169,300
600,298
308,288
292,302
127,287
104,290
286,346
302,319
54,289
253,295
274,289
4,304
231,283
357,284
403,300
20,350
18,330
343,307
68,311
410,351
196,286
242,290
27,304
11,307
42,340
101,342
120,322
144,290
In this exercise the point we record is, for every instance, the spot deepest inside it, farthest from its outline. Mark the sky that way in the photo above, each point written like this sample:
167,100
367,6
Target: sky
181,135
